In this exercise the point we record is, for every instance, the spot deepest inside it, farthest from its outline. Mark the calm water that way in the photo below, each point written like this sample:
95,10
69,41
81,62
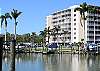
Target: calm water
56,62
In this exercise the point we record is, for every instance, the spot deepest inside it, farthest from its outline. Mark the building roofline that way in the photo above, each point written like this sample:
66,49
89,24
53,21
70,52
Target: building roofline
71,7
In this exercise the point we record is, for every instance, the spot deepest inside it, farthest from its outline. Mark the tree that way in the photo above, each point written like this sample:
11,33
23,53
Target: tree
48,30
54,32
15,15
4,19
78,45
19,38
82,9
33,37
46,33
43,34
65,32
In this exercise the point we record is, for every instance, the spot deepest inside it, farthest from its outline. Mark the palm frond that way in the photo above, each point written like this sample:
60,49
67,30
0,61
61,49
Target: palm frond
83,8
19,13
7,15
80,10
2,16
15,13
2,19
83,5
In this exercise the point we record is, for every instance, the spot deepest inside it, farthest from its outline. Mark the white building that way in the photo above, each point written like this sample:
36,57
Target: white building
69,20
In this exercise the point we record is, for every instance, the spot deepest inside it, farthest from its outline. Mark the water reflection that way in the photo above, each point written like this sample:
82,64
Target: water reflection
53,62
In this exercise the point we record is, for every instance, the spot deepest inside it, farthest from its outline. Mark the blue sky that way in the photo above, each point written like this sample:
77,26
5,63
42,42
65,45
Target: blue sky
35,11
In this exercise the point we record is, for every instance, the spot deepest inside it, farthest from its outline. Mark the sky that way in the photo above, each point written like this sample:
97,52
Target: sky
34,12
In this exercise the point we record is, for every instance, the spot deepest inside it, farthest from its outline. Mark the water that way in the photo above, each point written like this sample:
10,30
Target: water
56,62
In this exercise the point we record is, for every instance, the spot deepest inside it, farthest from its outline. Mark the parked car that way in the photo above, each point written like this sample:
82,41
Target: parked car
52,48
53,45
92,47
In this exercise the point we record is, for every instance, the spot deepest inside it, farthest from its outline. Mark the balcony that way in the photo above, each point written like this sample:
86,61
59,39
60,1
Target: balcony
97,30
90,29
90,34
88,39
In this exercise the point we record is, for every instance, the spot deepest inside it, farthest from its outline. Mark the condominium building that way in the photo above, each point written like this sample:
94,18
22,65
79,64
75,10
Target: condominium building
70,22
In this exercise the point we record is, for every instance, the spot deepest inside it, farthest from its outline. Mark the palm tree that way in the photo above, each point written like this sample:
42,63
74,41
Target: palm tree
78,45
33,37
55,32
65,32
48,30
15,15
4,19
43,35
82,9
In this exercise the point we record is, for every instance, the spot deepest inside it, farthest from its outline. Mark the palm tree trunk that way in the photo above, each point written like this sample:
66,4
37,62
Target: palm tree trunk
12,65
84,29
5,27
43,43
94,27
84,32
64,40
15,28
5,34
13,44
48,38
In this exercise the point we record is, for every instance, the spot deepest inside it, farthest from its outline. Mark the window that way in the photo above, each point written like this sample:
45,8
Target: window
74,28
55,18
69,28
74,10
69,23
65,23
65,10
69,10
74,15
54,22
66,15
63,15
59,20
74,33
74,37
74,19
74,23
54,13
69,14
62,11
69,32
63,20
